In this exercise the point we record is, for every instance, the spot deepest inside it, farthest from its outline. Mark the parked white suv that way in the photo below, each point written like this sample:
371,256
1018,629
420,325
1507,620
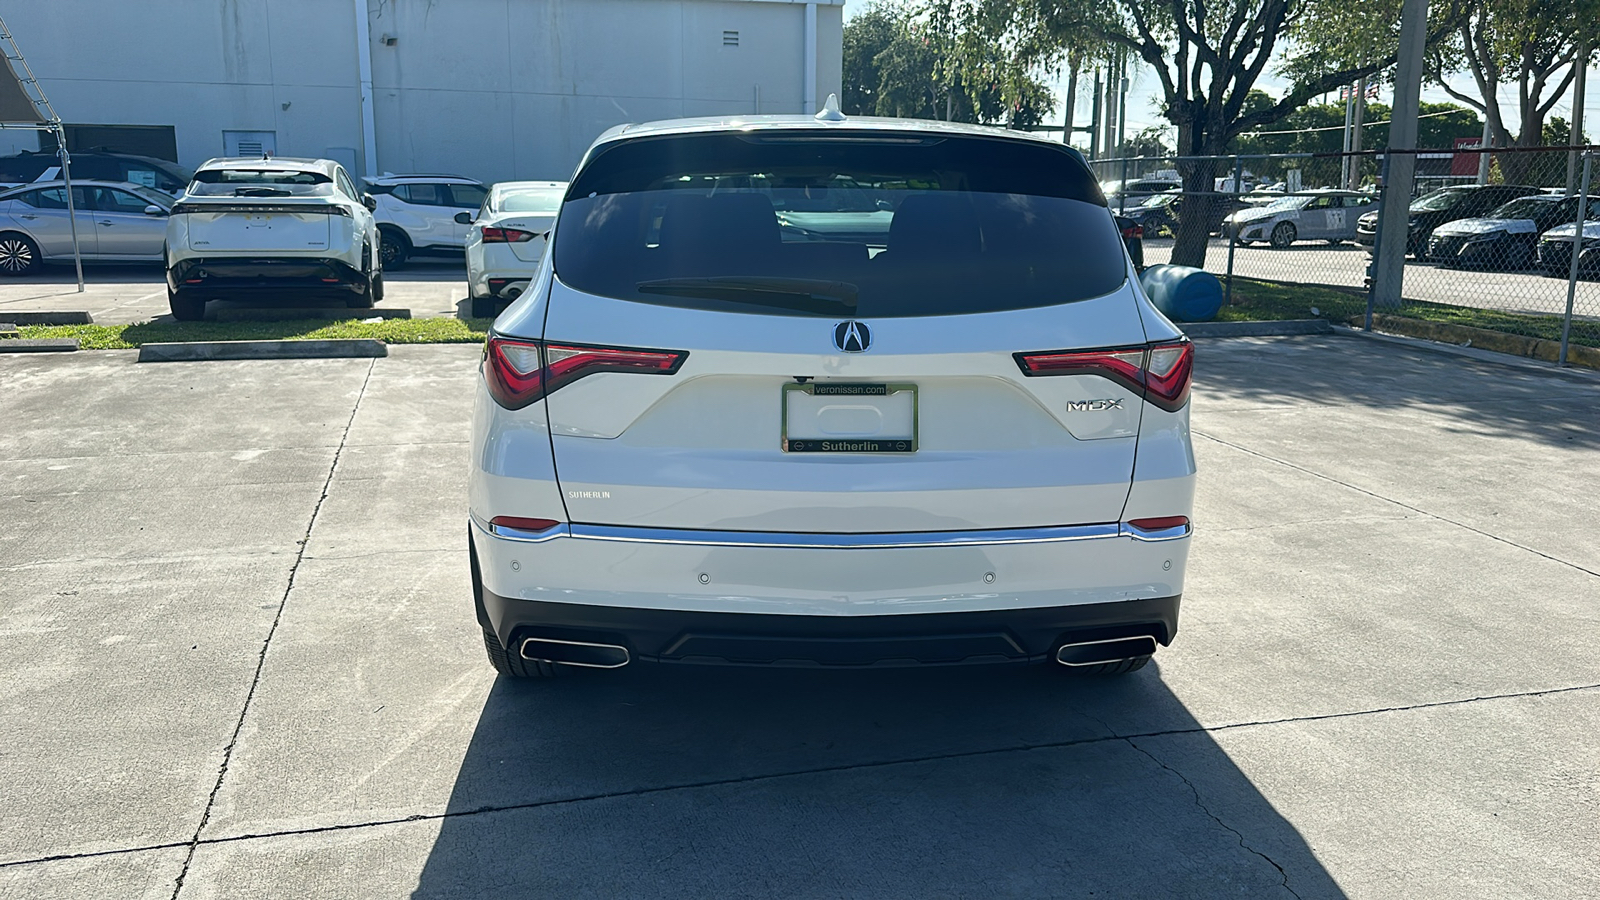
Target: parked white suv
271,228
417,213
506,241
831,392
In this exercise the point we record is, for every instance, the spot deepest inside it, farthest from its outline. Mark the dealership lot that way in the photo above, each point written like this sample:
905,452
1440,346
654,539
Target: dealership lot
237,652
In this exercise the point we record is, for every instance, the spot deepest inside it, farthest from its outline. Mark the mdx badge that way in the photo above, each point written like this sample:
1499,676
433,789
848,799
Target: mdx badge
1093,405
852,336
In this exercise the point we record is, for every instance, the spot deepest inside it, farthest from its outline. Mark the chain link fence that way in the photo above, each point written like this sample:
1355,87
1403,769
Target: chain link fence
1490,233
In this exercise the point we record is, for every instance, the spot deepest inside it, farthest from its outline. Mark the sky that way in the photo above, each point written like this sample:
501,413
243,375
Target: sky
1144,95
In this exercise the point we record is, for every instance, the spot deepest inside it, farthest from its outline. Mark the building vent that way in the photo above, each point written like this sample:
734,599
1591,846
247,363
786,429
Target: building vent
730,39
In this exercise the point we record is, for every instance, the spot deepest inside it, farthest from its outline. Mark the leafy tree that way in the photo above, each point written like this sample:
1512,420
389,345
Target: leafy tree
1209,57
1532,43
904,60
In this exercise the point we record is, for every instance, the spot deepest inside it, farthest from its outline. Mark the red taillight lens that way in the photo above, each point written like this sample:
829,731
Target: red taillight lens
506,235
1158,523
521,372
519,523
1133,231
1159,372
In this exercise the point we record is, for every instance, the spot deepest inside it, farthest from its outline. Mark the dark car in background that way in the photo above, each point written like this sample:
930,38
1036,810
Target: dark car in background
1133,239
1161,212
161,174
1447,204
1508,237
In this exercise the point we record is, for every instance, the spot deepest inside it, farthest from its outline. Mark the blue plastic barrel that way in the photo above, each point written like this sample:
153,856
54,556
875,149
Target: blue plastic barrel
1183,294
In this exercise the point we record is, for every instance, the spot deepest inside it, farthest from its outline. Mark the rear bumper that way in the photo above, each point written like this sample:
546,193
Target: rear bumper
761,598
1014,636
236,275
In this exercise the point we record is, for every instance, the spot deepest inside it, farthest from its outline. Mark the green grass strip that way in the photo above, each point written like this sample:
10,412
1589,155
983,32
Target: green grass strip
1257,301
392,331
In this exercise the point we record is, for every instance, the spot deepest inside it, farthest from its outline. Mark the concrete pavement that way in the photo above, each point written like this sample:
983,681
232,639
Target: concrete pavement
125,293
237,652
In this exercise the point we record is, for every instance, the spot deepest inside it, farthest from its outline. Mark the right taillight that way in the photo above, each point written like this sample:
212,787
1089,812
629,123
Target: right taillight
1159,372
521,372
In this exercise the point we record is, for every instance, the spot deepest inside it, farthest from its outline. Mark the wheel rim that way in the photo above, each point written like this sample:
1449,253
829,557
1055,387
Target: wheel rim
1283,234
389,250
15,255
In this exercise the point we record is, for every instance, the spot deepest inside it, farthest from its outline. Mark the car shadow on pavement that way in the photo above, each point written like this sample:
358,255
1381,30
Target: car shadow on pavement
1484,397
676,782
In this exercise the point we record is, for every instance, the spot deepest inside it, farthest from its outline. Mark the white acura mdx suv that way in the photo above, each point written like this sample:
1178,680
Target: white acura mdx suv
830,392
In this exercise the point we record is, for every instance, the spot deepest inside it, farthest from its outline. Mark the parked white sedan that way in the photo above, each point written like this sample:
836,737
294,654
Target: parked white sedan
1321,214
506,241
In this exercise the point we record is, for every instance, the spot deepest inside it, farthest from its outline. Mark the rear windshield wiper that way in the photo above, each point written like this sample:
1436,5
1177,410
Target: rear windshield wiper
261,192
805,294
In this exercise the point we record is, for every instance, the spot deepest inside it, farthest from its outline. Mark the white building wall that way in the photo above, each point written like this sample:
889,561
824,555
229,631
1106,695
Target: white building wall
493,89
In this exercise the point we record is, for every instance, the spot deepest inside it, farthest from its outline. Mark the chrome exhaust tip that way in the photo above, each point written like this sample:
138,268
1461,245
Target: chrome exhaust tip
513,291
1111,650
575,653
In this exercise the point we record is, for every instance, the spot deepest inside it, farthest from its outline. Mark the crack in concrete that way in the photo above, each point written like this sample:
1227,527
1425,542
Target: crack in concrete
261,660
1284,876
1403,505
1111,736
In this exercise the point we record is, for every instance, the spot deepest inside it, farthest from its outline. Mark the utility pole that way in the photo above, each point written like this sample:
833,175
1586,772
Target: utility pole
1483,151
1389,262
1072,101
1353,182
1575,138
1344,147
1122,110
1094,119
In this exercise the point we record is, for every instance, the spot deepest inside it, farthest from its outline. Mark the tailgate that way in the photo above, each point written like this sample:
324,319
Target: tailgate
279,228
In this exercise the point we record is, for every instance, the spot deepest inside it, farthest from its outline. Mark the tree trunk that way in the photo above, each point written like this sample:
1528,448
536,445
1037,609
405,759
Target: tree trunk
1199,182
1191,238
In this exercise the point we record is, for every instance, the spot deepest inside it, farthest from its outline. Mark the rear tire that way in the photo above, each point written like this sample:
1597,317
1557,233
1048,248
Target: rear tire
366,298
19,255
485,307
512,664
186,309
393,247
1120,667
1283,235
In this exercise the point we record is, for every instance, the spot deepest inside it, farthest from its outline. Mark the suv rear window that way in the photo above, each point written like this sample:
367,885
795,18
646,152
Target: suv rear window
259,183
871,224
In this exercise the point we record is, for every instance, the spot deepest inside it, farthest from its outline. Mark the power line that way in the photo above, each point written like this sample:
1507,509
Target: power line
1447,112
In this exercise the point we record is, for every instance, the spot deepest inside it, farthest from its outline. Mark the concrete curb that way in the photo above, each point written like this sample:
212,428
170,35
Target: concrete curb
1482,338
198,351
38,345
68,317
1475,354
1256,329
286,315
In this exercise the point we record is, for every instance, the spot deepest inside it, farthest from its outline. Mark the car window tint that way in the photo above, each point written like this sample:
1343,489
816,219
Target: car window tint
420,194
467,196
54,198
113,200
908,228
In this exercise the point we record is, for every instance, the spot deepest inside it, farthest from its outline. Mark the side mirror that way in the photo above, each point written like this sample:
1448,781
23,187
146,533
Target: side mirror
463,218
154,210
369,201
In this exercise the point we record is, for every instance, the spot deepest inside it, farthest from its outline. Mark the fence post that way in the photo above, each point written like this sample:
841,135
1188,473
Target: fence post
1227,289
1122,194
1377,241
1577,248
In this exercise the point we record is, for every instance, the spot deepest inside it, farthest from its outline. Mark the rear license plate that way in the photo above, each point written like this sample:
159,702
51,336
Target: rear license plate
837,417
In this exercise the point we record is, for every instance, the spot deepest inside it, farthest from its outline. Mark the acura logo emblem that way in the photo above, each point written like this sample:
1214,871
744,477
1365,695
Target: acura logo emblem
852,337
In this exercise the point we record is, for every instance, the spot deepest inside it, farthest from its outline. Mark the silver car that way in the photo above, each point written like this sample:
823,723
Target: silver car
117,222
1328,215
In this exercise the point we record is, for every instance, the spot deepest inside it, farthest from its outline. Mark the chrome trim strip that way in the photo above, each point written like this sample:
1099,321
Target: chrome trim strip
1177,532
626,656
803,540
517,534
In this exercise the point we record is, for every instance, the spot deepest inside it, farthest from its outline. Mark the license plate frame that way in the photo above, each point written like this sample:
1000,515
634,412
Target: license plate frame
899,446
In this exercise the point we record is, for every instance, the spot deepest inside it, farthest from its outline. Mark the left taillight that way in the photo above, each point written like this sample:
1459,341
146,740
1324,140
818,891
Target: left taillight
1133,231
1159,372
493,235
521,372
